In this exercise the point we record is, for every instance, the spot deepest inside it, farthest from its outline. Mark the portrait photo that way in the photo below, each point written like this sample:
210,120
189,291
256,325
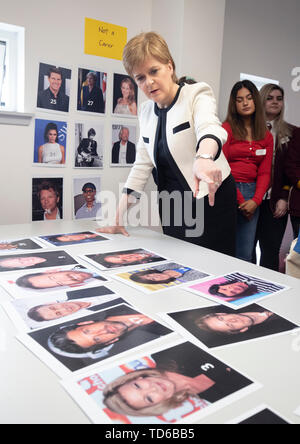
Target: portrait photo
30,314
236,290
87,199
50,143
47,198
217,325
125,96
32,283
89,145
91,91
124,138
8,246
65,239
54,84
31,261
84,341
159,278
123,258
173,384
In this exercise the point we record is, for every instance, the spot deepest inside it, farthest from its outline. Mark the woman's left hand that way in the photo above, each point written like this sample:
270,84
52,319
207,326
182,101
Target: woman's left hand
206,170
281,208
248,208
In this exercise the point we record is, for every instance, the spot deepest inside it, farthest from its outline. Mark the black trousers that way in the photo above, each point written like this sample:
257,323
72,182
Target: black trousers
219,221
296,225
269,234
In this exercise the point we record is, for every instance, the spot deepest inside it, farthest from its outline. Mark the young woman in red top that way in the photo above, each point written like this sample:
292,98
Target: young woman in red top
249,151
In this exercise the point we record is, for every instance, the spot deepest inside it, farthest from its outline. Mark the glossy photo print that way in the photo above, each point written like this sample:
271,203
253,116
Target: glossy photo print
175,384
8,246
54,86
91,91
47,198
89,145
217,325
122,258
160,277
125,96
124,138
30,314
86,192
50,143
32,261
236,289
76,344
65,239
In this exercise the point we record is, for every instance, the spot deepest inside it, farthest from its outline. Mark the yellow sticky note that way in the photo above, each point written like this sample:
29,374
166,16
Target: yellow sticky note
104,39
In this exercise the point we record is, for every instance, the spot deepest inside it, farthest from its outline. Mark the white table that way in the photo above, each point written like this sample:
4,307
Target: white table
31,393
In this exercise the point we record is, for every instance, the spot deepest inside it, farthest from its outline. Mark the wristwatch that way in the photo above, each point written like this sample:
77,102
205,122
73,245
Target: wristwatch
204,156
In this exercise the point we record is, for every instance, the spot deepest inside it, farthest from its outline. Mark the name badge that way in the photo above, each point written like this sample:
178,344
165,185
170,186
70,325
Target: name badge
261,152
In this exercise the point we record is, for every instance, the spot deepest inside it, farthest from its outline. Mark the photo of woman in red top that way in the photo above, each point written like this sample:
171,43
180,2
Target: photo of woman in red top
249,151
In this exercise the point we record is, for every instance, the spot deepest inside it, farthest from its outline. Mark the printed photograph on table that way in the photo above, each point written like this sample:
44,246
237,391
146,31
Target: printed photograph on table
47,198
21,284
30,314
89,145
125,96
50,143
262,415
176,384
74,345
124,139
91,92
87,198
54,85
160,278
8,246
236,289
217,325
31,261
122,258
65,239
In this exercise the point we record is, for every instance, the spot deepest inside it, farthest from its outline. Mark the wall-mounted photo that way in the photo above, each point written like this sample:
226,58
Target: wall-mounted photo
125,96
47,198
54,86
86,192
123,144
91,95
50,142
89,144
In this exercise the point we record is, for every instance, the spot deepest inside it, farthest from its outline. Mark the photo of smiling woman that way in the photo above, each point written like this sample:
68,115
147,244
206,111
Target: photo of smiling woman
125,95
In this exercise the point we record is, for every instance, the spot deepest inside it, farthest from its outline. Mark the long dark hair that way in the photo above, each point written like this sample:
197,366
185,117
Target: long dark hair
258,123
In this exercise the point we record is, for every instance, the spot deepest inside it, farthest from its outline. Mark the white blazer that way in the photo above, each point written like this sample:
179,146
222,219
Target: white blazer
189,119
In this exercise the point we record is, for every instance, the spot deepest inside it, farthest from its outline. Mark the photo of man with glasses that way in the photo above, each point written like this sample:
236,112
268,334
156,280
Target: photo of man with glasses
91,208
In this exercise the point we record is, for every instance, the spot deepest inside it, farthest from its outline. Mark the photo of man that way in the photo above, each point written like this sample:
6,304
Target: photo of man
217,326
30,283
236,289
118,259
37,260
86,205
8,246
54,88
65,239
47,199
89,140
91,91
124,141
42,311
85,341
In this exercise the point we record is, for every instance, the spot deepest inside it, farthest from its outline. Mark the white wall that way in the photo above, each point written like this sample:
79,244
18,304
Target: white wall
55,34
262,37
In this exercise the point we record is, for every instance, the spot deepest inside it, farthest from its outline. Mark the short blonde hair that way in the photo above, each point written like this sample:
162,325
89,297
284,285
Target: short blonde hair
147,44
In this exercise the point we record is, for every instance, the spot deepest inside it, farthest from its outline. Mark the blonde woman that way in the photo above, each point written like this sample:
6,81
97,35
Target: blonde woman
181,138
127,103
274,209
